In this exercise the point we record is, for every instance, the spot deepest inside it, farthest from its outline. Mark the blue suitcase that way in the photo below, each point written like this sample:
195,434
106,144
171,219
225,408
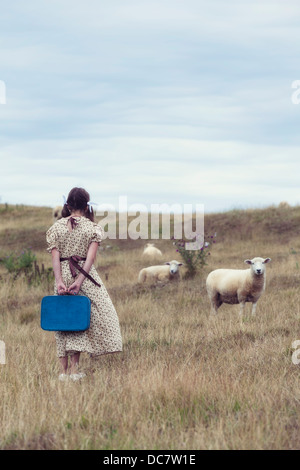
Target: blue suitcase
65,313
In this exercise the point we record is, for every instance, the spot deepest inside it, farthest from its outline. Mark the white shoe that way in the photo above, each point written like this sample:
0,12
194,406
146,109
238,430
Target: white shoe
78,376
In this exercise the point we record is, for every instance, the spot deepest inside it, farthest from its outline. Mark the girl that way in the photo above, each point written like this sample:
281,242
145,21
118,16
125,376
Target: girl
73,242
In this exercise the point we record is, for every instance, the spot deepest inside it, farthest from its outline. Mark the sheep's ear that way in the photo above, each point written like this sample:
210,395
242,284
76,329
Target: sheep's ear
180,264
167,263
248,261
267,260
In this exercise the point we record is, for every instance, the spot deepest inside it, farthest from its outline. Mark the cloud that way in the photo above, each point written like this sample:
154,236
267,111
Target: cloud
161,101
216,174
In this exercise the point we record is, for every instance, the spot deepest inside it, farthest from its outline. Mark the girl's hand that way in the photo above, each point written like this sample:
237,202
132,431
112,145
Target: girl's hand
60,285
75,287
61,288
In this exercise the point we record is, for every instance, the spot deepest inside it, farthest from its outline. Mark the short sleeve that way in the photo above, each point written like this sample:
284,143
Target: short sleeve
52,239
98,233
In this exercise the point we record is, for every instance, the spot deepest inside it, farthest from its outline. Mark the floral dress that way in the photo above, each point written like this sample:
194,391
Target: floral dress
103,335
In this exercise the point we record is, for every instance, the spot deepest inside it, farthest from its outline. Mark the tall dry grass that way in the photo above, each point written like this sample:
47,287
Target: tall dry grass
185,380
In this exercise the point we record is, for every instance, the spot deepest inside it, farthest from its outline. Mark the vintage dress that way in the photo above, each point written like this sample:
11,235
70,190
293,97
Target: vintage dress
104,334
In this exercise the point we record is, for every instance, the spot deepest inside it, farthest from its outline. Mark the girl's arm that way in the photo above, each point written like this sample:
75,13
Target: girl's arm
60,285
90,259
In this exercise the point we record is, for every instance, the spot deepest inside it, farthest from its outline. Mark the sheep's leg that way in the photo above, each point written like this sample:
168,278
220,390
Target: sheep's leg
242,307
216,302
214,310
254,308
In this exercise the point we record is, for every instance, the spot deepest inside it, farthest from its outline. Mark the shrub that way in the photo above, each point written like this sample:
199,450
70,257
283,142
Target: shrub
22,262
26,264
195,259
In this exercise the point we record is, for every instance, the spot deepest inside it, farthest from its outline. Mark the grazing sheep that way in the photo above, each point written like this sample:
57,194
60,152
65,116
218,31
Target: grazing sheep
150,251
57,213
237,286
167,272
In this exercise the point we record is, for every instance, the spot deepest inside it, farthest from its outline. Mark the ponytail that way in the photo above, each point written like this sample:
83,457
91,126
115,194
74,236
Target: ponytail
65,211
78,199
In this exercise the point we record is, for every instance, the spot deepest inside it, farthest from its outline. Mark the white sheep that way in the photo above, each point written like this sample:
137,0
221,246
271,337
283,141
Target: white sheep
57,213
237,286
166,272
150,251
284,205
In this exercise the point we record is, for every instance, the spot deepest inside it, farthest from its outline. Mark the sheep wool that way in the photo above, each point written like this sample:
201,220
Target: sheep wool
167,272
57,213
150,251
237,286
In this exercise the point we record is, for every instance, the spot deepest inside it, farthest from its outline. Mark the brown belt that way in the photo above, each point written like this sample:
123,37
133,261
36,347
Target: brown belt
73,263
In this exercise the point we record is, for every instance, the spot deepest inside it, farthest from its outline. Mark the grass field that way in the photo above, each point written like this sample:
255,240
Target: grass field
185,380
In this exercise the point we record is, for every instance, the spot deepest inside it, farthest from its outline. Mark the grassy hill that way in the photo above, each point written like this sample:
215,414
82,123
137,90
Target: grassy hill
185,380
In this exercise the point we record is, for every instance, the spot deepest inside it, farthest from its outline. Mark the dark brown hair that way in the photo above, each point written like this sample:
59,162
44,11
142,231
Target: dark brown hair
77,201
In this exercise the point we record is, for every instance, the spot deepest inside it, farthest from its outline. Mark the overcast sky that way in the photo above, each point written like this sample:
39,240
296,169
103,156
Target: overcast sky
162,101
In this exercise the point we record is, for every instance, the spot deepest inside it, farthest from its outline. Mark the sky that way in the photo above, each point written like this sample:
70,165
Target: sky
161,101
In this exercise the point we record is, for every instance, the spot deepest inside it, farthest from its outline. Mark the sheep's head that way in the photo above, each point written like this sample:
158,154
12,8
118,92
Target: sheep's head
174,266
258,265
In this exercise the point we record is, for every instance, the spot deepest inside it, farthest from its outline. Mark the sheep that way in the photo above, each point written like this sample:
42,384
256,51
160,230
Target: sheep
57,213
284,205
150,251
237,286
169,271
